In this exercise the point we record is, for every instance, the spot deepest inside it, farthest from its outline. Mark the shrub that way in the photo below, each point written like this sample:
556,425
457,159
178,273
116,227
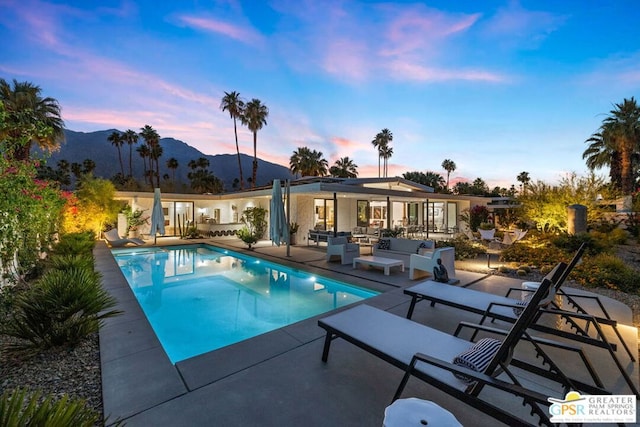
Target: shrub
20,408
540,256
71,261
571,243
247,237
521,272
605,270
504,269
464,248
525,268
618,236
75,243
61,309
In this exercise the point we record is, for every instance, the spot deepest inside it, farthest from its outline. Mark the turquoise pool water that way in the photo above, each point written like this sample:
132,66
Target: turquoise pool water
200,298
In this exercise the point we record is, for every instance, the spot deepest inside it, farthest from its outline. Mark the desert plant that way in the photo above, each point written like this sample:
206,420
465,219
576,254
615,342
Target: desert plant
293,228
61,309
571,242
247,237
255,225
71,261
464,248
609,271
21,408
191,233
75,243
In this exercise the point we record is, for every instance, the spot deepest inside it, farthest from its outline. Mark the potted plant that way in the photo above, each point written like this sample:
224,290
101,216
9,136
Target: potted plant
135,219
293,229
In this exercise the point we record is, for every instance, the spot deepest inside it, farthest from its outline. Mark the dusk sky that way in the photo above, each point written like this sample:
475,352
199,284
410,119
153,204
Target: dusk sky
499,87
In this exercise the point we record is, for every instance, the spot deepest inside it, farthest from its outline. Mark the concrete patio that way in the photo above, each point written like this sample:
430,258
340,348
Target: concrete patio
278,379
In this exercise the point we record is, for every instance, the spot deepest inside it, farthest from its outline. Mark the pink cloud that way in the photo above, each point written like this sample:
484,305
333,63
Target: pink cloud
244,35
405,70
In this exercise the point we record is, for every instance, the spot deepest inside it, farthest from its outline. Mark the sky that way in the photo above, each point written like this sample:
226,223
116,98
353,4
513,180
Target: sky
499,87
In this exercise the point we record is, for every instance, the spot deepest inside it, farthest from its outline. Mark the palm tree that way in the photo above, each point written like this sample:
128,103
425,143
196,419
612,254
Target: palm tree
30,118
381,142
117,140
172,165
254,117
144,152
386,152
617,144
523,178
308,163
449,166
344,168
232,103
131,138
152,140
434,180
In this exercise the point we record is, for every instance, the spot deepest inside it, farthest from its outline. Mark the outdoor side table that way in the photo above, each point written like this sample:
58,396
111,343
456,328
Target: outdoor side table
412,412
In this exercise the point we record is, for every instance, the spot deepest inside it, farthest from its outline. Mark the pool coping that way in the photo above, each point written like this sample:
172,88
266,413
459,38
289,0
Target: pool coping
137,373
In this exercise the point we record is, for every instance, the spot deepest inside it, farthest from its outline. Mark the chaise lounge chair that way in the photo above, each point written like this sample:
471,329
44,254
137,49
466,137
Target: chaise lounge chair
495,307
114,240
427,353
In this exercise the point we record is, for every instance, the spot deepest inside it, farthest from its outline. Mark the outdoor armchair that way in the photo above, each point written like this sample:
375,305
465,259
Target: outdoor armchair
429,260
340,247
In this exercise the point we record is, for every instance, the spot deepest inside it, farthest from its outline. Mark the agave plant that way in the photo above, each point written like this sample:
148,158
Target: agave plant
61,309
20,408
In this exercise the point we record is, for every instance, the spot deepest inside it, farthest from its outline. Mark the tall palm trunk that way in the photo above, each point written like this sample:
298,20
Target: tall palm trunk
626,170
235,131
130,159
120,159
254,176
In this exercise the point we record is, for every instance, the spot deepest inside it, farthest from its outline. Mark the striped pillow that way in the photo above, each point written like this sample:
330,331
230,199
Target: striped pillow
477,357
521,304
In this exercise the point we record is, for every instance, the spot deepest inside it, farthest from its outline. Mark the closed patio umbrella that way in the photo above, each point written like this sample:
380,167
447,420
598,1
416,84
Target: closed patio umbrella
278,227
157,216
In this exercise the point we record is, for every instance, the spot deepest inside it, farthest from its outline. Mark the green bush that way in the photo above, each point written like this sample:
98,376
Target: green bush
75,243
607,271
20,408
618,236
521,272
539,255
464,248
61,309
571,243
71,261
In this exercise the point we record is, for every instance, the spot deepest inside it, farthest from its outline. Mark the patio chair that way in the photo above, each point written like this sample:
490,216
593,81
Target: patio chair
427,353
340,246
429,260
114,240
487,234
495,307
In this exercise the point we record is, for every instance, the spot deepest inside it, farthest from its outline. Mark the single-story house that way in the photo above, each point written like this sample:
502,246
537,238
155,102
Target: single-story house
317,203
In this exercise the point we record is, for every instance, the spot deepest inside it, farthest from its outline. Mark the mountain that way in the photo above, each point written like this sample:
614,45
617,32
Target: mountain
79,146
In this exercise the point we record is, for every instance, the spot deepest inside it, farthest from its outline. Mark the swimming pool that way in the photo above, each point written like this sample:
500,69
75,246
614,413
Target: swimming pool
200,298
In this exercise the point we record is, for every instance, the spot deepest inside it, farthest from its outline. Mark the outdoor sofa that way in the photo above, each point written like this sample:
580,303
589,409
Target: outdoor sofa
401,249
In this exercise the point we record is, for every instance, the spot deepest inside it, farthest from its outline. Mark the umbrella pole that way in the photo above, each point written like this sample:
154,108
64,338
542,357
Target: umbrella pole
288,193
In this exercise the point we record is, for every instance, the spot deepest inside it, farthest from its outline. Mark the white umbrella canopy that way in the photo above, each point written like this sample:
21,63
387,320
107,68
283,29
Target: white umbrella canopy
278,227
157,216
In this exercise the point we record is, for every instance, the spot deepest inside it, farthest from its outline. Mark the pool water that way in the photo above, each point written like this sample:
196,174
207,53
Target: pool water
200,298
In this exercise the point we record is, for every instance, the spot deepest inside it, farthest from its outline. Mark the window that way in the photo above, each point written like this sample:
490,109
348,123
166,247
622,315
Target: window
363,214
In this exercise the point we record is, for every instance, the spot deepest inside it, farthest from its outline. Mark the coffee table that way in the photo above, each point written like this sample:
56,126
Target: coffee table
377,261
